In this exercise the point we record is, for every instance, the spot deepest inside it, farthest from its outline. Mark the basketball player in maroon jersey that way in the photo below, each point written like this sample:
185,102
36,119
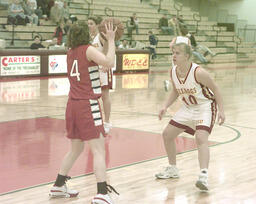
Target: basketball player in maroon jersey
83,114
200,97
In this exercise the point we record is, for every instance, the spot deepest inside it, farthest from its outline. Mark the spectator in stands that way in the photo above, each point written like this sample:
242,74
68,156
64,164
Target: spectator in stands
174,23
117,43
50,4
152,44
60,3
132,24
65,11
16,14
29,10
37,11
163,25
198,47
54,44
56,13
135,22
181,20
60,33
124,45
130,27
37,43
45,6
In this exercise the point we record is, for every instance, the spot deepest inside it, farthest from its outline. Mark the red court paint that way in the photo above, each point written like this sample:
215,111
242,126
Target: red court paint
31,151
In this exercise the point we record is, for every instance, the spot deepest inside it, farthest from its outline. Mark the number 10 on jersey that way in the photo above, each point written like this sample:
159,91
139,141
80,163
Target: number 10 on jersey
191,100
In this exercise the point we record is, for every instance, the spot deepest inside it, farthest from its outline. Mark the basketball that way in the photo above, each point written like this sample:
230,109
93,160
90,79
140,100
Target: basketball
116,23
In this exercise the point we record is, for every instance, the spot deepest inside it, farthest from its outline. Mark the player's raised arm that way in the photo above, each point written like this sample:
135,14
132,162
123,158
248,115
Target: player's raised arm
204,78
105,60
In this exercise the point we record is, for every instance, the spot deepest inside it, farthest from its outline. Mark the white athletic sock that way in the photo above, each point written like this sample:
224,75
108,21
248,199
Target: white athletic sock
204,171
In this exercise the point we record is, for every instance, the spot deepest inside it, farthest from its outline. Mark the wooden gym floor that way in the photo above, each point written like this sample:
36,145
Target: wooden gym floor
33,142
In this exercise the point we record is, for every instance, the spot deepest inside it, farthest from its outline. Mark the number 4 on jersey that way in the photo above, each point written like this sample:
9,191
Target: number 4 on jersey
74,70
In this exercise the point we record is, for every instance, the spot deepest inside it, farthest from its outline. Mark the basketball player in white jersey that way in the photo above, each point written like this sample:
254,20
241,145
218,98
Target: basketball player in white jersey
105,77
179,39
200,97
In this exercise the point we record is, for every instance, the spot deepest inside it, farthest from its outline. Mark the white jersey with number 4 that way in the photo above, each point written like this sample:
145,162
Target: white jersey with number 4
190,91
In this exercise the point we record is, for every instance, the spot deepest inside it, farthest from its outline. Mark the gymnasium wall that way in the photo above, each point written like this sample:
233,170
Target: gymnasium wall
243,9
241,13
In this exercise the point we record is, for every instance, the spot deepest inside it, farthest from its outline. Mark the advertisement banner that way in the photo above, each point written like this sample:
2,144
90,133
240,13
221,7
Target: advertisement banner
135,62
57,64
19,65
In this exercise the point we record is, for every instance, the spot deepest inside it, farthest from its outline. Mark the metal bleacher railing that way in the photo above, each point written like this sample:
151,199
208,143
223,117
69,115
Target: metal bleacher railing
248,33
109,12
217,29
197,18
89,3
178,7
238,41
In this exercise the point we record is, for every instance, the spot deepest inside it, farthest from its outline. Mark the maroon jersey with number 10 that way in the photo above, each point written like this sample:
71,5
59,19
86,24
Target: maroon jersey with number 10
83,75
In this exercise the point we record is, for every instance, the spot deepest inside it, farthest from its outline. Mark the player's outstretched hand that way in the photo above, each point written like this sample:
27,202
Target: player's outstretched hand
110,32
221,117
161,113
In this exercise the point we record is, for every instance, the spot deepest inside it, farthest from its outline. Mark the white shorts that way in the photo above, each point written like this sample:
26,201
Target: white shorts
195,118
106,79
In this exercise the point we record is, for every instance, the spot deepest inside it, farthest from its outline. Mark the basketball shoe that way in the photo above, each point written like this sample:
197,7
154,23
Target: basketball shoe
202,182
102,199
62,191
107,127
168,172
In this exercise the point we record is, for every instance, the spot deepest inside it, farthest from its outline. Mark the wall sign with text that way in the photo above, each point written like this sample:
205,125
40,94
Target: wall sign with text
19,65
135,62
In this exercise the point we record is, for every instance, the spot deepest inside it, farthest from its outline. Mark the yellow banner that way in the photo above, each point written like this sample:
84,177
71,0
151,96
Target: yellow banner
135,61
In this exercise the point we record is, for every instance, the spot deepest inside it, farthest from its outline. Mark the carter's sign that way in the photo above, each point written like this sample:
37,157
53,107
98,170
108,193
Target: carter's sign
19,65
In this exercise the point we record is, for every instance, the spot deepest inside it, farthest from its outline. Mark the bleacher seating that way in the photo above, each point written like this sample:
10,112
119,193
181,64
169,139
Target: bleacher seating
148,16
